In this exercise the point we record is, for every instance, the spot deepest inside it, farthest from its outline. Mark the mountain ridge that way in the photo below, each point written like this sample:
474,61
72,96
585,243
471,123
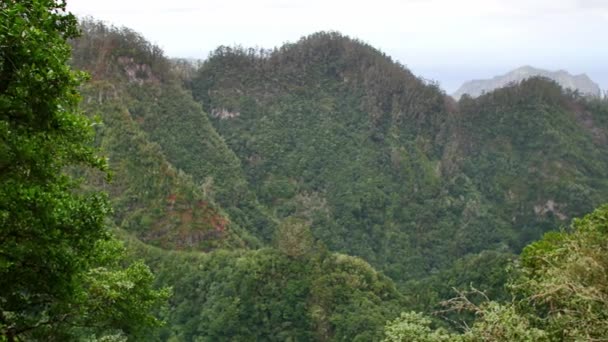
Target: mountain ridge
410,145
580,82
280,163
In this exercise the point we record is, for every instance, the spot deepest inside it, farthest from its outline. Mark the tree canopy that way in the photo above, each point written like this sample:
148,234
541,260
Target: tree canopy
559,293
60,269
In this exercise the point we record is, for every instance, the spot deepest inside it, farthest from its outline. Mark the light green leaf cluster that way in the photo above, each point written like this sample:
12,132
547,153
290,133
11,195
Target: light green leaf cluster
415,327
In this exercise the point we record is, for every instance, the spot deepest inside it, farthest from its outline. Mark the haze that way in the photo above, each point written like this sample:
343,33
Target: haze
442,40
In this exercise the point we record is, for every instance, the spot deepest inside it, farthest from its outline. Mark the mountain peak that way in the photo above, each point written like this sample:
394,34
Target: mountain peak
581,82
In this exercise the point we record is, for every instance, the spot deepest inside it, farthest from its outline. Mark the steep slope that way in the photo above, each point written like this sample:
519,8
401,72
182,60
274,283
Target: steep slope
536,157
333,131
152,199
536,152
133,81
176,185
581,83
386,167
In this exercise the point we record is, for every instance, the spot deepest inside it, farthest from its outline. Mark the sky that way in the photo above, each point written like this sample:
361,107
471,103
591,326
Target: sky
448,41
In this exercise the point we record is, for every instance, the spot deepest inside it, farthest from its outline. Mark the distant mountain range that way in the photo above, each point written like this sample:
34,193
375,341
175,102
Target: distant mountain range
581,82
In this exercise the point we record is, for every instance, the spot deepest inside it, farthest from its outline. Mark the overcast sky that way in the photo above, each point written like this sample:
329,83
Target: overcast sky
450,41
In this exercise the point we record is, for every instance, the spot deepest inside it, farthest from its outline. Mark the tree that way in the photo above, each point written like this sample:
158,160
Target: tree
56,251
565,280
560,293
294,238
415,327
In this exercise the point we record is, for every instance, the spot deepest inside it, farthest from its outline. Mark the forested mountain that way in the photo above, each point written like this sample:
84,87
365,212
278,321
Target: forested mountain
175,179
261,183
395,171
178,186
334,132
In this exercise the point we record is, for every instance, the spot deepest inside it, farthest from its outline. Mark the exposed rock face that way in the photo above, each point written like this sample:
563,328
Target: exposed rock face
581,82
550,206
223,113
137,73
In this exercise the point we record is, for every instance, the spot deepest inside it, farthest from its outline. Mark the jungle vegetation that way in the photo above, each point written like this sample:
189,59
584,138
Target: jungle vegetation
316,191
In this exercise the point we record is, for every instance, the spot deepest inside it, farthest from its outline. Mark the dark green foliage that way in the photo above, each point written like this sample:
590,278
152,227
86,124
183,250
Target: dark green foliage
536,152
169,125
61,272
264,295
560,292
322,136
386,168
48,231
331,130
155,201
347,148
177,123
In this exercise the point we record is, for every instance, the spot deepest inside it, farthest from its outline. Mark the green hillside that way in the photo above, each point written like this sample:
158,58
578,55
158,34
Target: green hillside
367,160
176,185
318,191
269,295
172,174
538,153
387,167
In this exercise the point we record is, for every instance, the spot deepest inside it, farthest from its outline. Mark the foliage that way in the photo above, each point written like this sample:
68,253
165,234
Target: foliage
495,323
54,242
108,49
192,182
263,295
294,237
349,150
311,148
414,327
559,294
503,323
333,119
393,167
535,151
152,199
564,278
113,300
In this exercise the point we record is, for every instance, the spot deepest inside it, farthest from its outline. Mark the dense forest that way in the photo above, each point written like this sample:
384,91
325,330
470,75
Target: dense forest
316,191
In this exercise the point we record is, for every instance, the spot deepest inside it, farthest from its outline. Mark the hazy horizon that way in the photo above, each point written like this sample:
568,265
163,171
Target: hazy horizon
445,41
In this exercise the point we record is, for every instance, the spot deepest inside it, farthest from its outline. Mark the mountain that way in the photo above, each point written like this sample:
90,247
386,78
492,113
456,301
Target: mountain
313,191
333,131
182,203
386,166
581,83
175,181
